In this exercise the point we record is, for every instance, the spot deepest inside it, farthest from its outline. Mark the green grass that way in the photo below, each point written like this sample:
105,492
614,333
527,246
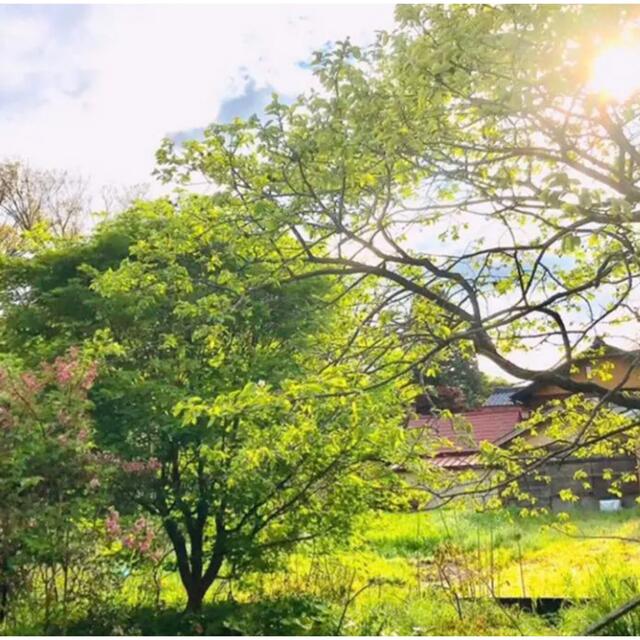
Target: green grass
550,555
408,569
486,554
430,573
534,557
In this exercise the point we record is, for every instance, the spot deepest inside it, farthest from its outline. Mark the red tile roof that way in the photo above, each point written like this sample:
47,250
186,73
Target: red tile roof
457,461
490,424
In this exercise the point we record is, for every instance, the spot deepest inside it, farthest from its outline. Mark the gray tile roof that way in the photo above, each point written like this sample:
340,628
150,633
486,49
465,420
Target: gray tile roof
501,397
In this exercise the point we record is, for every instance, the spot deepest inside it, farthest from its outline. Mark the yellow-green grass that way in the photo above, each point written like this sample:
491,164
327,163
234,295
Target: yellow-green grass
548,553
554,557
402,572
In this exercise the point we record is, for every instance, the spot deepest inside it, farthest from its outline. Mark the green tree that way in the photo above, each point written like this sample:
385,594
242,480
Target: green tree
466,160
223,411
455,383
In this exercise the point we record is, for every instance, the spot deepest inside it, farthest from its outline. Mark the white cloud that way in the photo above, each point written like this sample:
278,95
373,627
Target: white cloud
19,37
153,70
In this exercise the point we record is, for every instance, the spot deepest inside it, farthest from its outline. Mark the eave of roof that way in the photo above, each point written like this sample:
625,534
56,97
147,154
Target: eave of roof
607,350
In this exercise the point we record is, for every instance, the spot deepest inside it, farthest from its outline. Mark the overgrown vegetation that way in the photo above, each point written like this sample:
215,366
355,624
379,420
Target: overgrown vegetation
220,411
403,573
204,399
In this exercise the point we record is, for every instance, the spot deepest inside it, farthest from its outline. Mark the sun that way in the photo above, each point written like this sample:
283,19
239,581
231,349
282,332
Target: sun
615,73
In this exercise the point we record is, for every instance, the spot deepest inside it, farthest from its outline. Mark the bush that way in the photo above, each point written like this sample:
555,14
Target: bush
285,616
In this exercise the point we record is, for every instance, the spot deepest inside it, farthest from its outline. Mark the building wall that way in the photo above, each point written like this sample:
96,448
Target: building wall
562,477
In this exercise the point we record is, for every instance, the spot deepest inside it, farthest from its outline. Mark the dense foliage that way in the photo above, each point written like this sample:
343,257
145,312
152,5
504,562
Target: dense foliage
48,479
466,165
220,410
465,161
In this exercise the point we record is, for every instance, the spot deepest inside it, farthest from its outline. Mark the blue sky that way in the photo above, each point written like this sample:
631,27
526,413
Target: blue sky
94,88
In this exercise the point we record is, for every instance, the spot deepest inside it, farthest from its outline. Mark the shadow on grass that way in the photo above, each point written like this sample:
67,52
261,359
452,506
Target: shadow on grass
287,616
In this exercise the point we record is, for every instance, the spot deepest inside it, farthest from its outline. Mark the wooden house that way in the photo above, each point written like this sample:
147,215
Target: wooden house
503,418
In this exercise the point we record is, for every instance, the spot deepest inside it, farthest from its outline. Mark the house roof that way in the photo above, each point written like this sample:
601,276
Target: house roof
599,349
487,424
458,461
501,397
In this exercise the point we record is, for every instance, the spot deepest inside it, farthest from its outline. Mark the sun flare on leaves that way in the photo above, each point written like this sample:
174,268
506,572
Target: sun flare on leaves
615,73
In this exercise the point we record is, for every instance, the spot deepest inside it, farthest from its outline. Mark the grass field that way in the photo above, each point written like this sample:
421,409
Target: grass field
442,572
437,573
534,557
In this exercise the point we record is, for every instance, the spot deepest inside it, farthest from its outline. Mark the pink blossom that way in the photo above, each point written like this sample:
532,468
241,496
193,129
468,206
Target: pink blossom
156,555
31,382
140,525
105,457
138,538
94,483
140,466
89,377
112,523
83,435
65,369
64,372
133,466
6,419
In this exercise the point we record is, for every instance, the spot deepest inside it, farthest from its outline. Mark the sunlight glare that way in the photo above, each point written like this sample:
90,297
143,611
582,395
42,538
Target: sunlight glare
616,72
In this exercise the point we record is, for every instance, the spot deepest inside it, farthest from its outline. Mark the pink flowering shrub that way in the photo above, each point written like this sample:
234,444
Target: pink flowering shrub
89,376
112,524
70,371
53,477
46,437
48,469
30,381
138,538
141,466
52,399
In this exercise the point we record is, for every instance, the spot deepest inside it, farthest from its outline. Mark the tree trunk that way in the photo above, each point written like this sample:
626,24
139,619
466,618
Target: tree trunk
5,589
195,581
4,599
195,596
195,578
198,586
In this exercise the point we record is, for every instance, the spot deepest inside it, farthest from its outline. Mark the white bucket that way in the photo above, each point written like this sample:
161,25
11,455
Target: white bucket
610,505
